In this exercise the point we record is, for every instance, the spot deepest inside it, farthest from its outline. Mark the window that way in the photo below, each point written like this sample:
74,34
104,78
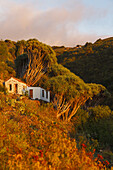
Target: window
10,87
16,88
31,93
42,93
46,94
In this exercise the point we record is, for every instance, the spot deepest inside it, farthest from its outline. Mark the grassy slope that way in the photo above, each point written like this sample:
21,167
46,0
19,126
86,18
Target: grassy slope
32,138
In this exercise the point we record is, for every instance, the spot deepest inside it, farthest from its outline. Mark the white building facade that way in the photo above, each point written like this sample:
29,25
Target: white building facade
15,86
38,93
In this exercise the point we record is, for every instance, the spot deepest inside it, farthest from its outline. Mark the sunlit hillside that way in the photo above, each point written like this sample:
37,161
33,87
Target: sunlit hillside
74,130
32,138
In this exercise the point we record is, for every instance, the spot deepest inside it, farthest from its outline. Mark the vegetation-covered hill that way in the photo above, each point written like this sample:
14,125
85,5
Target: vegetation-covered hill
37,135
36,61
32,138
92,62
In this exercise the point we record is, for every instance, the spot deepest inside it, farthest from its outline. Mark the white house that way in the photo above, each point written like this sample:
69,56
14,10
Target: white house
15,85
38,93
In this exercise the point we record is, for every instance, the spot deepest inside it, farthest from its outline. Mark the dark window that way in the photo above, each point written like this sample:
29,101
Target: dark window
42,93
16,88
46,94
10,87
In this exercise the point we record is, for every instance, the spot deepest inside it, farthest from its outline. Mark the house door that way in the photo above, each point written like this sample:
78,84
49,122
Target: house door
31,93
16,88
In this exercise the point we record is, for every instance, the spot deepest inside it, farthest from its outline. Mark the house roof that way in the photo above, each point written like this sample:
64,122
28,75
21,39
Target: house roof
17,80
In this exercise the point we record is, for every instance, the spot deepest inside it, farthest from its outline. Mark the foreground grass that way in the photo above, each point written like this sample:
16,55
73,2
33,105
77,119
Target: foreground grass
32,138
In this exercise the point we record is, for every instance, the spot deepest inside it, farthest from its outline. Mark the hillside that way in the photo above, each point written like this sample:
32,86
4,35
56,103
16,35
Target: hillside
92,62
32,138
74,125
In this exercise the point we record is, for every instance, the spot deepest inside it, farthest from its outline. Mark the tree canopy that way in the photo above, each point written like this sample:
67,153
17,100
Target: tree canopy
6,62
93,62
68,91
39,57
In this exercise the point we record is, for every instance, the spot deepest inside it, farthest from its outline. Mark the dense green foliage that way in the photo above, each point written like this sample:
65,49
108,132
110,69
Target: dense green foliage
59,79
92,62
34,47
20,50
68,91
33,61
97,123
6,62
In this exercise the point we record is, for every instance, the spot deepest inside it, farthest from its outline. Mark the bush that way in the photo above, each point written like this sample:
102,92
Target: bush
96,123
34,139
3,88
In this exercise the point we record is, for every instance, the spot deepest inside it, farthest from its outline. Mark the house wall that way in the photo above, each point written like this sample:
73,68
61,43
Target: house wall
20,86
44,98
36,92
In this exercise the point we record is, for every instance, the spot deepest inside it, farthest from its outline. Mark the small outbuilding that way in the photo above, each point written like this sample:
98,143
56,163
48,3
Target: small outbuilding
38,93
15,86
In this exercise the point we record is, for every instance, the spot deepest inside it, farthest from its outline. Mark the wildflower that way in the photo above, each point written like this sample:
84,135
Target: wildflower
83,145
93,150
106,162
99,156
